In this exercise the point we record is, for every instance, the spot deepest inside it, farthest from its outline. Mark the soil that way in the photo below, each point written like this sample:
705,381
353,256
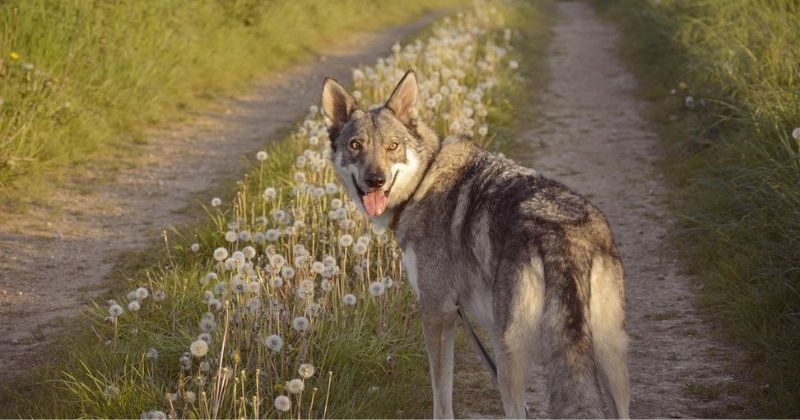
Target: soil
61,253
589,133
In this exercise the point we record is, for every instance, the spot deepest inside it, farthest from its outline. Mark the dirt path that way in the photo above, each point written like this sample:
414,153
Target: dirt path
591,135
52,263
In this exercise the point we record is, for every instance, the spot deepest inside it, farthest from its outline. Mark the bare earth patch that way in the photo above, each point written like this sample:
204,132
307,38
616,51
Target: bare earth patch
591,135
53,262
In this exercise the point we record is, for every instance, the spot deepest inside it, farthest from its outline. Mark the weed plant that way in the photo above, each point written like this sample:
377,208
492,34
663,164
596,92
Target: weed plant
725,79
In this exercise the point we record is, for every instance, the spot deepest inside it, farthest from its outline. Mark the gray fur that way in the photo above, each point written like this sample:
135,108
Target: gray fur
529,260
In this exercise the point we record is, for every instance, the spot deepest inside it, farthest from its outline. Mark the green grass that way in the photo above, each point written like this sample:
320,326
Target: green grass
80,81
374,350
735,163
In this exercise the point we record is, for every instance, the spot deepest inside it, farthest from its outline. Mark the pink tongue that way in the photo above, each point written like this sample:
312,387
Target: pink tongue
374,202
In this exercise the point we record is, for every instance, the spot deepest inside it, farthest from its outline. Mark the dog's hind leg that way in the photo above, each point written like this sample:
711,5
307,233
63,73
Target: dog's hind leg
609,339
439,331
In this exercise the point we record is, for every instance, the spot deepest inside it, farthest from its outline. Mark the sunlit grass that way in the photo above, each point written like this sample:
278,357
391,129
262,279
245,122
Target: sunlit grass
725,80
81,80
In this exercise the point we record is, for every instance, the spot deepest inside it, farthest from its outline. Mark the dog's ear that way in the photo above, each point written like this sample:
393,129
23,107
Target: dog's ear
403,101
337,104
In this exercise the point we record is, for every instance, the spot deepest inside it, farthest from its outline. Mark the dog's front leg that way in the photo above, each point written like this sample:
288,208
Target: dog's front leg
439,330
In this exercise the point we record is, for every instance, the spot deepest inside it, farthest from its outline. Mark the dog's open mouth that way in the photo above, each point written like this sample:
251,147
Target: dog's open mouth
374,201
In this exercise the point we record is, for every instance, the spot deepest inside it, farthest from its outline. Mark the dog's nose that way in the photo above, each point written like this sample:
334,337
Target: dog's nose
375,181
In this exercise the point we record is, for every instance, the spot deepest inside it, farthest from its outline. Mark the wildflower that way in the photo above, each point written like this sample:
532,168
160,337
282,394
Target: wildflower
287,272
387,282
215,202
185,362
215,304
295,386
796,134
238,286
152,354
249,252
134,305
207,323
513,65
688,102
190,397
199,348
272,235
336,203
269,194
306,370
231,236
13,56
245,236
331,189
277,260
349,299
220,254
376,288
300,323
274,342
159,295
326,285
360,248
154,414
261,155
373,389
276,282
204,366
115,310
345,240
283,403
483,130
142,293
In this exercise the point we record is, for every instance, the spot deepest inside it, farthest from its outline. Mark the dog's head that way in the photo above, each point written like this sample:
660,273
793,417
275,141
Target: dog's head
379,154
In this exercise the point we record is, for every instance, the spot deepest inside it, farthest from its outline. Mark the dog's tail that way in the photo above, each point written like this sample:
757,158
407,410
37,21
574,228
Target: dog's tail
485,356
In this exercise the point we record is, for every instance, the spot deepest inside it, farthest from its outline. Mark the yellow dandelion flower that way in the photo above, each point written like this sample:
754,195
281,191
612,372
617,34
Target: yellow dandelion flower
13,56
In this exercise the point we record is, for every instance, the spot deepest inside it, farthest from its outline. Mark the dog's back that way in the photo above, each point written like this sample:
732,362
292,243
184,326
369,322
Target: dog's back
534,264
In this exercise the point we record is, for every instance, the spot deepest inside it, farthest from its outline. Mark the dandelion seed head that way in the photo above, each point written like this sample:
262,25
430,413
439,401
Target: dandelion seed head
151,354
134,306
295,386
142,293
269,194
231,236
306,370
195,247
205,366
199,348
387,282
272,235
159,295
300,323
261,156
216,202
274,342
205,337
220,254
796,134
376,288
346,240
115,310
283,403
349,299
331,189
190,397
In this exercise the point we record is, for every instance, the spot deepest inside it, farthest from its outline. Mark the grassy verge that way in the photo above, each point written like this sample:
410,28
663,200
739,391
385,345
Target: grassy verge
81,80
287,274
725,81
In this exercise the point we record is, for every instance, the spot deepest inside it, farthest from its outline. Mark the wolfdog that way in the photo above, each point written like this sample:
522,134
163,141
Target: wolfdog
527,259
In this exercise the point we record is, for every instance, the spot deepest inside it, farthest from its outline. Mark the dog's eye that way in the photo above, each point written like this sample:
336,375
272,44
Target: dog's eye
355,145
393,146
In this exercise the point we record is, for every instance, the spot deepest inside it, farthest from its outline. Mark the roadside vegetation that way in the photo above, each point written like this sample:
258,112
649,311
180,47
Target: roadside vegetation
724,77
286,303
80,81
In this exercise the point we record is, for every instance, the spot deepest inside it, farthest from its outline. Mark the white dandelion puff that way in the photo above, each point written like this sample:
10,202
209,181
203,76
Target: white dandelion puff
159,295
269,194
142,293
151,354
195,247
274,343
300,323
295,386
376,288
349,299
261,156
134,305
345,240
115,310
199,348
231,236
216,202
220,254
283,403
796,134
306,370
